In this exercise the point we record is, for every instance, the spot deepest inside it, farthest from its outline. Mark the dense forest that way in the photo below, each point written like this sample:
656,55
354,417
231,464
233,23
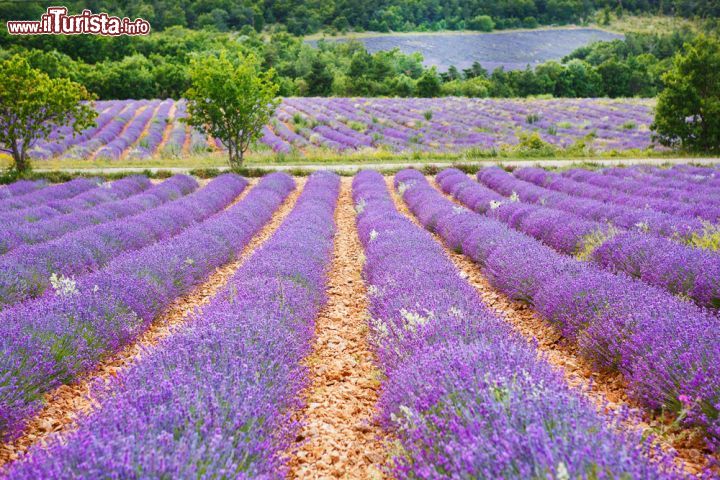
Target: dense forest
301,17
156,66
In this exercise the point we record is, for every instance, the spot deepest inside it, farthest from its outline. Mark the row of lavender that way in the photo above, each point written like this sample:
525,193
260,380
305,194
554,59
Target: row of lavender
691,217
50,340
467,397
20,187
566,194
454,124
29,270
41,196
142,128
705,205
678,268
671,197
109,201
692,192
666,348
128,128
215,400
687,174
104,192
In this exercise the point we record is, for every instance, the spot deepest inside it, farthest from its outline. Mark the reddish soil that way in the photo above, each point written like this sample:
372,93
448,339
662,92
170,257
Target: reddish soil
339,438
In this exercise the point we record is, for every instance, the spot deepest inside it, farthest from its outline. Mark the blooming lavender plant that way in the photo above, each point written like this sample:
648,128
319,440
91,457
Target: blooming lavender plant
215,400
104,192
129,133
21,187
637,194
465,396
666,348
48,194
50,340
148,143
657,261
25,272
539,186
358,124
39,231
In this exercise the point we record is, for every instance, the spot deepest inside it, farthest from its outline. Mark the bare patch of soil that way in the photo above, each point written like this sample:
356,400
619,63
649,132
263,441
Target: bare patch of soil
339,438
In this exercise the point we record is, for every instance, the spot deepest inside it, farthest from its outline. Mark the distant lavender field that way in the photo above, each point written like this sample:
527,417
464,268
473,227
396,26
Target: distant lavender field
512,50
128,129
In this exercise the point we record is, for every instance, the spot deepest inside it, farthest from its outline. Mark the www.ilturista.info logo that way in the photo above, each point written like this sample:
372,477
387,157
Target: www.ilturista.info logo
57,22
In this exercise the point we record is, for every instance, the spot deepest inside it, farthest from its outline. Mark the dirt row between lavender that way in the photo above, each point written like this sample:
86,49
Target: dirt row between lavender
339,437
607,391
64,405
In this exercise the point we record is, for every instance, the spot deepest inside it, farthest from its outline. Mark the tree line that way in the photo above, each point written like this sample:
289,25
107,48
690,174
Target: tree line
158,66
307,16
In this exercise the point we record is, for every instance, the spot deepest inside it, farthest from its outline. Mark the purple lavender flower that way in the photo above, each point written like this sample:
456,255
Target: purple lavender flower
465,396
216,398
664,347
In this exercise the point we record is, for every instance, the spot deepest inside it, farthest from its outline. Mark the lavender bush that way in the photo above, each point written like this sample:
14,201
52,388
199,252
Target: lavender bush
465,396
704,205
48,194
215,400
364,124
538,186
25,272
105,192
679,268
50,340
129,133
55,225
666,348
21,187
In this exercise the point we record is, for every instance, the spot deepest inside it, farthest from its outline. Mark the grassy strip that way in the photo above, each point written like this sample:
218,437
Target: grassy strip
58,176
531,147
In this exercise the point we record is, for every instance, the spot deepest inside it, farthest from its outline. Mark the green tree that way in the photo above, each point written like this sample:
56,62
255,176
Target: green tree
482,23
320,79
616,78
231,100
429,84
688,109
578,79
32,105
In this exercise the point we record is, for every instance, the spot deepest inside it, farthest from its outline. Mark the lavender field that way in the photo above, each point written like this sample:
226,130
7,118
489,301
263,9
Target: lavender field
143,129
510,50
546,324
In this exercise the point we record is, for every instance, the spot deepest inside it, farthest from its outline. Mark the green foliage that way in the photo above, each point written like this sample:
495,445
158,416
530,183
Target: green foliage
32,105
158,65
688,109
532,145
429,84
592,241
709,239
481,23
301,17
320,79
231,99
629,125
